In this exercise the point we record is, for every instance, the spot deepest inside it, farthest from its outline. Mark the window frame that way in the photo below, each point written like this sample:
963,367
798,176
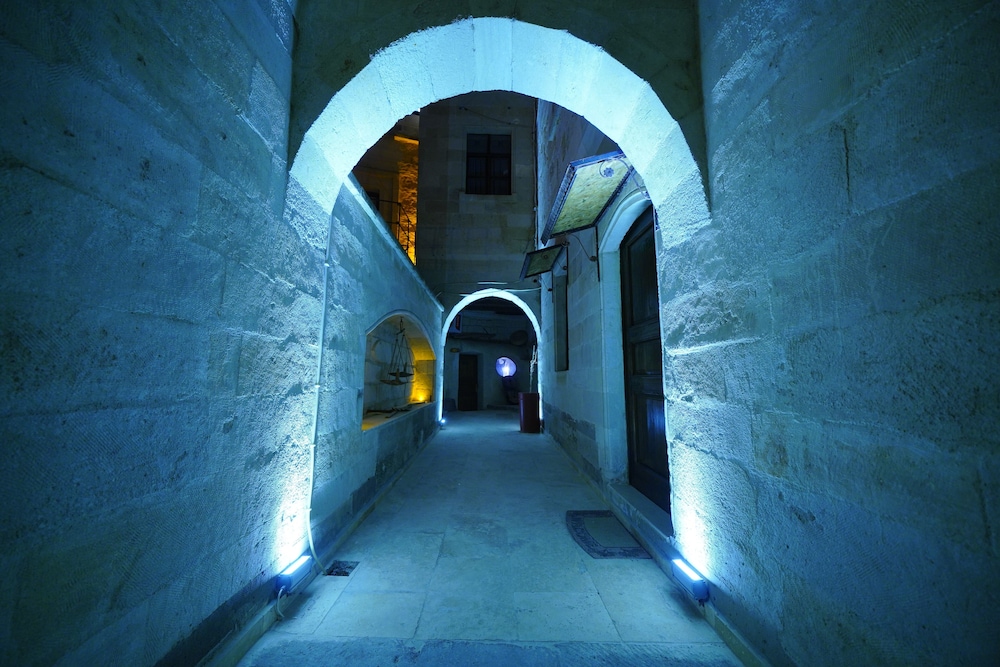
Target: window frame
490,178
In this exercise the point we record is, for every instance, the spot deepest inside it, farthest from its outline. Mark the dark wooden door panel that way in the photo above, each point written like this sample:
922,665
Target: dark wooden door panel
649,470
647,357
643,303
468,382
652,456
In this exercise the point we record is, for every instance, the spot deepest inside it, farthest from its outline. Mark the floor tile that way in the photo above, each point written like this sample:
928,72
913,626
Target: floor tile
646,607
465,615
373,614
469,555
487,576
572,617
305,614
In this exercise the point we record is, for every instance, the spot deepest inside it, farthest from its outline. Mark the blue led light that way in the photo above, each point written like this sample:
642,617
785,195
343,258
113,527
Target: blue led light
693,583
293,575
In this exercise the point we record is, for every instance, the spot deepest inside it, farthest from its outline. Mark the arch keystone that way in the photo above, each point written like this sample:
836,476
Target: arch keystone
494,53
534,69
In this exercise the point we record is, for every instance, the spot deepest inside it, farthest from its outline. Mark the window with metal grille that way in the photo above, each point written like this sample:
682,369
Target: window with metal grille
487,164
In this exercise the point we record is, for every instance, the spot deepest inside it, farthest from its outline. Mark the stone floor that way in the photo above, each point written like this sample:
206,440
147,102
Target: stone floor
467,560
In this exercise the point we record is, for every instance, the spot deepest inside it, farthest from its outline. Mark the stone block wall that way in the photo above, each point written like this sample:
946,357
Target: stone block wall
466,238
574,405
370,278
159,324
831,337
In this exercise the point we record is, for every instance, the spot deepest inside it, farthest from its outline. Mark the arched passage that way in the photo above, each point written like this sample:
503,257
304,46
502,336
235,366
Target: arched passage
472,298
483,54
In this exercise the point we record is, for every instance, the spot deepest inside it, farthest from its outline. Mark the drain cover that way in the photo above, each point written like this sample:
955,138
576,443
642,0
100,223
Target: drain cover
342,568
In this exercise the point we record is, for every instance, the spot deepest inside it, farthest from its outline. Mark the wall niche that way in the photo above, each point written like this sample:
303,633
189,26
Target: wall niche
399,370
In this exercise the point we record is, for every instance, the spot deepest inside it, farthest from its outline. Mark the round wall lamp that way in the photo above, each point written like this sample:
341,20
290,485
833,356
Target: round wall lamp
506,367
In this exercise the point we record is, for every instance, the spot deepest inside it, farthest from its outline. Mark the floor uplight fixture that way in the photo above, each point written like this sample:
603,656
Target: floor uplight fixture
691,581
293,575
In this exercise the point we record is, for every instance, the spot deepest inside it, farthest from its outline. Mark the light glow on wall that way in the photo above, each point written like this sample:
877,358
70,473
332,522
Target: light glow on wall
293,513
689,496
293,491
407,169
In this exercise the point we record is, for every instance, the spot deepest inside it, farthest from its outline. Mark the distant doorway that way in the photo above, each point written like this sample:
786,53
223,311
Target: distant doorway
647,442
468,382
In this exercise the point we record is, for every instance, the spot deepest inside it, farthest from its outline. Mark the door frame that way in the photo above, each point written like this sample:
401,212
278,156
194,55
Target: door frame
646,479
613,451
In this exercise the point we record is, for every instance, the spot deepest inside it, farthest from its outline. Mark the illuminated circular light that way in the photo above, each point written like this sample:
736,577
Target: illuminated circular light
506,367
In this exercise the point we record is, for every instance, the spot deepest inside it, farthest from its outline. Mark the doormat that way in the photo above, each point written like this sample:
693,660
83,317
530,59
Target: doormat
341,568
600,534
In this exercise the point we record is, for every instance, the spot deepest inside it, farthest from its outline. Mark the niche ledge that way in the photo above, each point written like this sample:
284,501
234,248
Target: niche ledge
376,419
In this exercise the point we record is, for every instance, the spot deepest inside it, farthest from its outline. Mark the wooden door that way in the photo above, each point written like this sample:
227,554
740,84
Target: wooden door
647,442
468,382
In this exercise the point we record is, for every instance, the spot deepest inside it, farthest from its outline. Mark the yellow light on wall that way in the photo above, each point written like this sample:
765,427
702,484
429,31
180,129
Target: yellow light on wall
416,386
407,169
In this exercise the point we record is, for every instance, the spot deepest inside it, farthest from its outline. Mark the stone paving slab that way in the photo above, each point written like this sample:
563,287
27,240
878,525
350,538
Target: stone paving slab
468,560
438,652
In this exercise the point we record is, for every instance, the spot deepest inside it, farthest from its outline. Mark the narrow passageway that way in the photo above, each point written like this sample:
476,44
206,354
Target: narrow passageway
468,560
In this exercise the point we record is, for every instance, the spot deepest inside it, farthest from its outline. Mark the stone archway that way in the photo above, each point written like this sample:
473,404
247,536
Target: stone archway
476,296
480,54
483,54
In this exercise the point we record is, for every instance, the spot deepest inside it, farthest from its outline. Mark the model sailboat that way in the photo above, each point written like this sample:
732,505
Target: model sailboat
400,365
